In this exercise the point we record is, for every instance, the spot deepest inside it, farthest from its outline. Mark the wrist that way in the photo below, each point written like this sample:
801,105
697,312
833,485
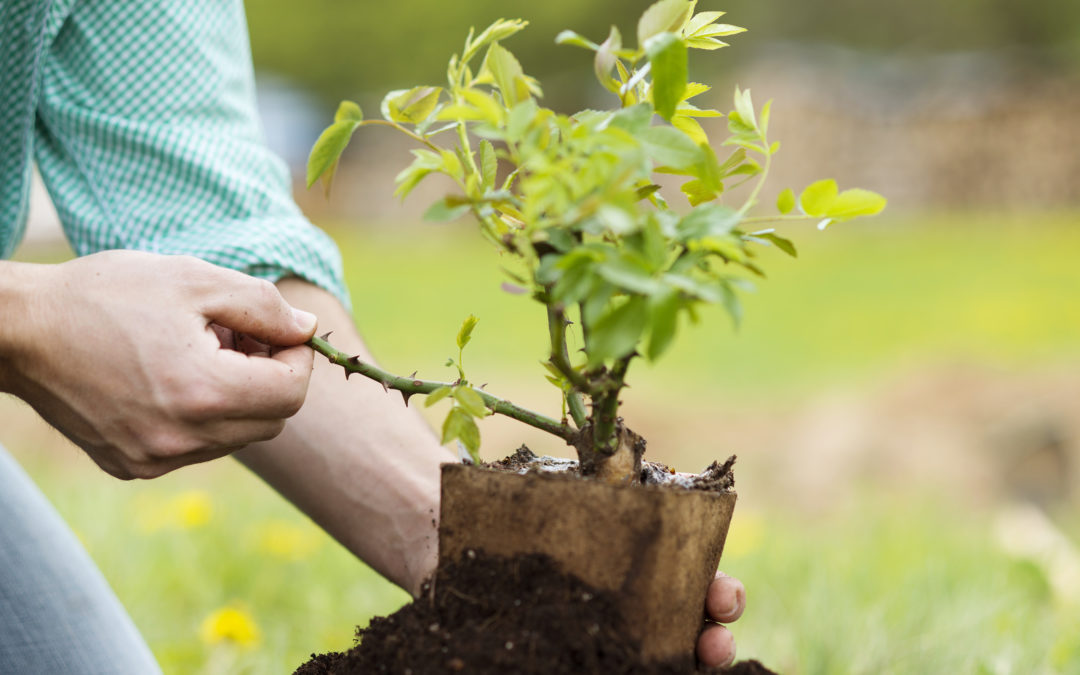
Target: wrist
19,283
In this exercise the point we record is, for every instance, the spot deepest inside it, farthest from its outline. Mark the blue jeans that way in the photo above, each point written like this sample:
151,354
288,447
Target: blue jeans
57,612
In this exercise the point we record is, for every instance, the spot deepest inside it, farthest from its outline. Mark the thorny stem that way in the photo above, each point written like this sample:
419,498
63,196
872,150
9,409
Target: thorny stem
561,360
606,406
409,386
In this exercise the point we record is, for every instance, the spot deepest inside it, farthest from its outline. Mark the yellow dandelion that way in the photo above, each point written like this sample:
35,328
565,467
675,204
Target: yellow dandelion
282,539
230,625
192,509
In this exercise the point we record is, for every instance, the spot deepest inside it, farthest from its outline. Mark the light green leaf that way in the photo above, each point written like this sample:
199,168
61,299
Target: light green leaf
459,425
817,198
700,21
411,106
616,333
446,209
489,165
665,16
670,147
605,60
667,54
744,105
465,334
855,202
569,37
436,396
473,403
786,201
348,112
509,77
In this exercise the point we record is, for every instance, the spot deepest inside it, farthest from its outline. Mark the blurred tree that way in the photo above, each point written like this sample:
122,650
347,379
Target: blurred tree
355,50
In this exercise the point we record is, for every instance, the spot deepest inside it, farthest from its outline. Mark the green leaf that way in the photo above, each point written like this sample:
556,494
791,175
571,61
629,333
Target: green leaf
786,201
509,77
569,37
817,198
616,333
436,396
670,147
709,220
521,118
605,60
489,164
662,324
411,106
465,334
471,401
781,243
348,112
667,54
633,120
665,16
461,426
744,105
446,209
322,162
629,275
855,202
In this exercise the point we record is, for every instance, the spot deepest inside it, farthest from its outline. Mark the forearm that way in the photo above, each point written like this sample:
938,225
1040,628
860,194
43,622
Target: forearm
356,460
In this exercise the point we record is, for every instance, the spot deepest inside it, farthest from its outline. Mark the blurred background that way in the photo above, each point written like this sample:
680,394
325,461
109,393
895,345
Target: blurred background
904,398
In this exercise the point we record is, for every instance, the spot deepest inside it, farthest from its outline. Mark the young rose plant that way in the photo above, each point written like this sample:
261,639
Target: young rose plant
574,202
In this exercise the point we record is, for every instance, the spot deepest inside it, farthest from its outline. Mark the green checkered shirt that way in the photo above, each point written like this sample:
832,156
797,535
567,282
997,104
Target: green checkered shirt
141,117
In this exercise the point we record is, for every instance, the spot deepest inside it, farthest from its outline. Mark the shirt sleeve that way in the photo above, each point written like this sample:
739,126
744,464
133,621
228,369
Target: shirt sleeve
147,137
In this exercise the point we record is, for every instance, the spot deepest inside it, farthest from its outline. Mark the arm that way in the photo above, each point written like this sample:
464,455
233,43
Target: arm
356,460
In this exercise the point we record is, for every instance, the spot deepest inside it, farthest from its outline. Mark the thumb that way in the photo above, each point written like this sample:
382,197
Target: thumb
255,307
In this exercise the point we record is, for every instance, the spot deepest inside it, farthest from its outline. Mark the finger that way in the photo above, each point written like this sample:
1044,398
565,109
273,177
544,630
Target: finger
254,306
250,346
263,388
716,646
725,599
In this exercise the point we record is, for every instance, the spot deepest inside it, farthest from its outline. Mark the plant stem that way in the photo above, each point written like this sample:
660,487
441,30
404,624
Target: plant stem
771,219
606,407
395,125
409,386
560,358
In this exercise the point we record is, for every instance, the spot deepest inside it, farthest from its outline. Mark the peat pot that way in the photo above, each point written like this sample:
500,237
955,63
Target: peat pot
657,548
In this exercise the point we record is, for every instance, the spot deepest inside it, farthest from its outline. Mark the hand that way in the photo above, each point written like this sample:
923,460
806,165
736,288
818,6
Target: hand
724,603
118,351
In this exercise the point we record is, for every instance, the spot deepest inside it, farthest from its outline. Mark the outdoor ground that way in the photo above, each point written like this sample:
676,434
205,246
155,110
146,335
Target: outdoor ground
879,395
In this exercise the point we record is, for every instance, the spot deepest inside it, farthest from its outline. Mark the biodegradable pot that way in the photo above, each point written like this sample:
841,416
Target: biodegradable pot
656,548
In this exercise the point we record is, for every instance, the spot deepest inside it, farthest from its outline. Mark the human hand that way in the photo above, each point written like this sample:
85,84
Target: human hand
724,603
118,351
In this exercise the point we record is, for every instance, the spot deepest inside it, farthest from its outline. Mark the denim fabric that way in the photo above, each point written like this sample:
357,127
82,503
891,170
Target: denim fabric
57,612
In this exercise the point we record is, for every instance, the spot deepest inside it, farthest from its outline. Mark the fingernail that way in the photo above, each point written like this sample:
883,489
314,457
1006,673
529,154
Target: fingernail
305,320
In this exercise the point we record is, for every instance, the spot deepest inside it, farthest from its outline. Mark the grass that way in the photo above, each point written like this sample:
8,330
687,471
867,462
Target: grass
886,584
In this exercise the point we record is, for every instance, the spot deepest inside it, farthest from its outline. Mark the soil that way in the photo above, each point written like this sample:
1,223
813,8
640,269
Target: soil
489,616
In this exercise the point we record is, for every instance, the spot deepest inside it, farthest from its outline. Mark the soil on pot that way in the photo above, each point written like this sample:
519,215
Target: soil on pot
488,615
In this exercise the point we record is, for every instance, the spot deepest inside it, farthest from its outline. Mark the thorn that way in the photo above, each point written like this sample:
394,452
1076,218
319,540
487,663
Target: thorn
405,396
354,359
326,335
413,374
347,374
482,386
385,385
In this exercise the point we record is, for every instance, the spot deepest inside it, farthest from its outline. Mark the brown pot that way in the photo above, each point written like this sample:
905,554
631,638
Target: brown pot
656,548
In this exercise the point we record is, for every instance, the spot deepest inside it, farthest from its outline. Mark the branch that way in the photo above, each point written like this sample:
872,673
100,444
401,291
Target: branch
409,386
560,358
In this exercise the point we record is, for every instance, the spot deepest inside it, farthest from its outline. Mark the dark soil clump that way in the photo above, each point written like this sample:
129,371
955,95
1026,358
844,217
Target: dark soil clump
489,615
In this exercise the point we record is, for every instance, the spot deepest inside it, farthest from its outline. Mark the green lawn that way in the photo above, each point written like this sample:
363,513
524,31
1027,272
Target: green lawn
886,584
